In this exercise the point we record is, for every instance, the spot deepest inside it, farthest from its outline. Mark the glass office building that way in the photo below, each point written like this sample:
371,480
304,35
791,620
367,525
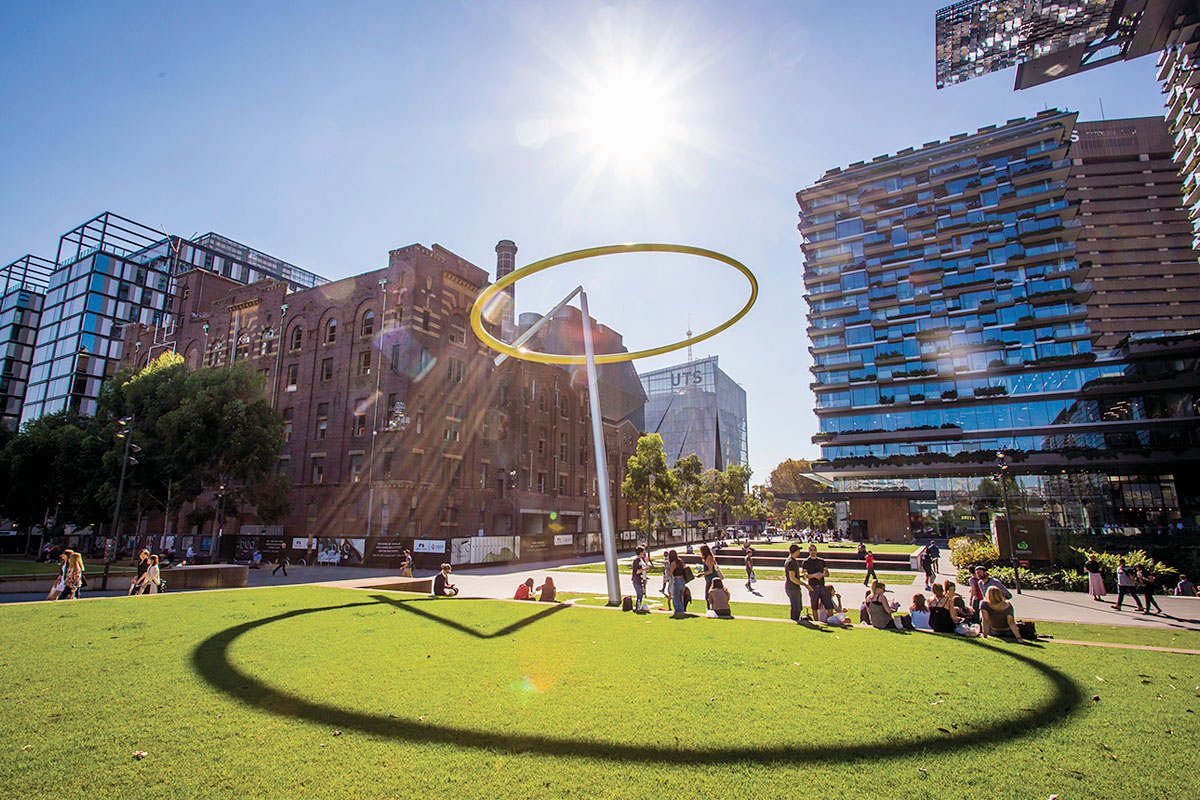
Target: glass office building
698,409
22,290
949,320
111,271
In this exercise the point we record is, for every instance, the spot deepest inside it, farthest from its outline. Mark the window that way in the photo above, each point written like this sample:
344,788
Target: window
297,337
454,370
322,419
318,470
331,331
356,468
364,363
424,319
453,431
562,483
360,424
542,403
458,329
541,441
288,413
541,482
293,373
420,421
326,369
581,487
563,449
368,324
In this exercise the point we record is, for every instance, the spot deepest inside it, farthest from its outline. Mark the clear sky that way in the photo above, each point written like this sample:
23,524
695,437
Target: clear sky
329,133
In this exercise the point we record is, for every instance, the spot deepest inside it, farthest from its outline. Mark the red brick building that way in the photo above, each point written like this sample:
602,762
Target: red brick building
399,426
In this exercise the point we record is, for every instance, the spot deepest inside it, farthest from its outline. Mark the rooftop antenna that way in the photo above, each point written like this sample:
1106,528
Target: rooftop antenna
689,334
1101,99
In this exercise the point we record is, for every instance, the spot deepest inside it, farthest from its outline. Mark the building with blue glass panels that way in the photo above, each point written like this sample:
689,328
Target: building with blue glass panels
22,291
949,319
111,271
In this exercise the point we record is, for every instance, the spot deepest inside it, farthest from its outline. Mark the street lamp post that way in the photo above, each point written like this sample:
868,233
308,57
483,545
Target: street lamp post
383,282
1012,547
125,433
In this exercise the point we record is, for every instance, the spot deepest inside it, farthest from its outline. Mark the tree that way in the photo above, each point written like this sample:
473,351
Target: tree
790,478
648,484
689,485
48,469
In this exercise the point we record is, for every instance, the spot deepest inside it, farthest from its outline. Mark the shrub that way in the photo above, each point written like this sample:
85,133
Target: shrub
1108,565
1051,578
974,552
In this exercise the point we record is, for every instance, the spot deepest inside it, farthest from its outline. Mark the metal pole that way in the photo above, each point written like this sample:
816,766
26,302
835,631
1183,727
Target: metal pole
527,335
606,520
117,508
215,549
1012,547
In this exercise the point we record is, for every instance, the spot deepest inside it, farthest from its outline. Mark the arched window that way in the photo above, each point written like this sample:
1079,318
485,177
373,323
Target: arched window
331,331
297,337
458,329
368,324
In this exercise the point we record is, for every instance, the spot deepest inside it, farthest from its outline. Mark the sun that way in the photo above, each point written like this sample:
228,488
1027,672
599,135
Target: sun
627,116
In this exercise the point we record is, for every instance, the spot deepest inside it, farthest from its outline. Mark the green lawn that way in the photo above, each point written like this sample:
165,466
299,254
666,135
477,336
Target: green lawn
18,566
323,692
739,573
851,549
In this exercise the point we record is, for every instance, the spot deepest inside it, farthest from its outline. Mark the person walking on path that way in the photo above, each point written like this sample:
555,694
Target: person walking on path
708,569
72,576
935,553
281,564
152,580
406,568
927,564
136,586
793,584
869,558
640,568
750,568
60,583
1126,585
1147,581
1095,577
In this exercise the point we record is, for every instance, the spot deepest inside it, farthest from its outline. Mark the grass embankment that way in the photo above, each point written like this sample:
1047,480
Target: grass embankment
739,573
12,567
322,692
851,549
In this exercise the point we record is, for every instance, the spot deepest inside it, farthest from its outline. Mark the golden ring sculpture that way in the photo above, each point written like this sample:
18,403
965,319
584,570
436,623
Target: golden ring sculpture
487,295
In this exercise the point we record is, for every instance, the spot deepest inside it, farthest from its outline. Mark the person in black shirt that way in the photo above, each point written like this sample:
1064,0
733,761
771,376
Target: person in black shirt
814,567
442,587
792,583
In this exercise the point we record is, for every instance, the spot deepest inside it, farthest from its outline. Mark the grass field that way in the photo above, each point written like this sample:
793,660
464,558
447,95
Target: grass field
326,692
18,566
739,574
851,549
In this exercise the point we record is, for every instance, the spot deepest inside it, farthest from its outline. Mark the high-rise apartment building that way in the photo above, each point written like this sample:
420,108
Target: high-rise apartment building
109,272
949,319
697,408
1135,240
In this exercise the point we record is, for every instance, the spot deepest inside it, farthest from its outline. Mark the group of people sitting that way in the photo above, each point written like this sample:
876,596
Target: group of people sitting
989,613
546,593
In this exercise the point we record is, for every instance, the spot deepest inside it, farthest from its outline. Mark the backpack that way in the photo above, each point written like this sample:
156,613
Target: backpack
627,603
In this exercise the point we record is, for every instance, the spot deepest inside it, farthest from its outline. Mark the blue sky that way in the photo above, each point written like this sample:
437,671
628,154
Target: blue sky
328,134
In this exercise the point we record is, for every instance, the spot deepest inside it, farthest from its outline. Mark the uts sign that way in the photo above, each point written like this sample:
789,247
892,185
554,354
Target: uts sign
687,378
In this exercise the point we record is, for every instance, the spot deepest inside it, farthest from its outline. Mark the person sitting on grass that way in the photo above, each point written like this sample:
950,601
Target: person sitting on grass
1184,588
833,615
547,592
879,608
442,587
980,582
918,612
962,614
997,617
525,590
718,599
941,611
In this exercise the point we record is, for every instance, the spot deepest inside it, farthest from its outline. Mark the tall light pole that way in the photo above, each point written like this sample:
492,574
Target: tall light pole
1012,547
126,433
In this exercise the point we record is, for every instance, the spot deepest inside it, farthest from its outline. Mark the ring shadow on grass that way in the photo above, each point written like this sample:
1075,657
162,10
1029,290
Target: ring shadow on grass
212,663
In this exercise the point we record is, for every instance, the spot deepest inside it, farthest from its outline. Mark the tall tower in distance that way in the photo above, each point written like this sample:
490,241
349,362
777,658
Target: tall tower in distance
506,262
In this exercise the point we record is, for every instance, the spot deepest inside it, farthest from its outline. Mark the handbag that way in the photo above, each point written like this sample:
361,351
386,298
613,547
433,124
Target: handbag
688,575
